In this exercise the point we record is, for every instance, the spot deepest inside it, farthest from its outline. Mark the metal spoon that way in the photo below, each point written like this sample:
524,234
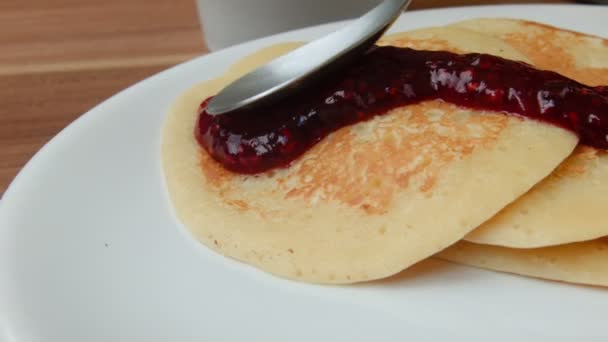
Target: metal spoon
296,68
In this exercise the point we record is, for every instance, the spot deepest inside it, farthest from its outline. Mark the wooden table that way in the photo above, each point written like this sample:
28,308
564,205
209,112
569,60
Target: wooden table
61,57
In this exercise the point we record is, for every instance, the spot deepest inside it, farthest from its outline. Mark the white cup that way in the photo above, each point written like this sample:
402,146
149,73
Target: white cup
229,22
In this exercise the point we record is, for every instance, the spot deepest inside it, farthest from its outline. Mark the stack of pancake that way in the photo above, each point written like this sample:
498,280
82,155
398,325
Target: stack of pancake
432,179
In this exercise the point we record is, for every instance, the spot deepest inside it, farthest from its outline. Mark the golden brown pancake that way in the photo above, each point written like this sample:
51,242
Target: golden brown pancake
579,56
569,205
579,262
370,199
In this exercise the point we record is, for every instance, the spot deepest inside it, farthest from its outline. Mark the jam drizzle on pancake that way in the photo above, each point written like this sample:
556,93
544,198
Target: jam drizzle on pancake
259,139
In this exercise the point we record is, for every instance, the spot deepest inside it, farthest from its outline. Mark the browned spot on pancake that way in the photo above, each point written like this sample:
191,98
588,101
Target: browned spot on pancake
366,166
432,43
242,205
577,164
213,172
548,48
219,179
553,28
428,184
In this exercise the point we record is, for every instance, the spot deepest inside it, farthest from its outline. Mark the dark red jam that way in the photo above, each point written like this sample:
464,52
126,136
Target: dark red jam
262,138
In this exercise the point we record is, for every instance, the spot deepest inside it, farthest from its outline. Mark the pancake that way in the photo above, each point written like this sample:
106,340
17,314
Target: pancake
370,199
568,206
579,262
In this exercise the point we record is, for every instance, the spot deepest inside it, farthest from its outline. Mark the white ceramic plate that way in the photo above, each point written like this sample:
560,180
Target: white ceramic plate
90,250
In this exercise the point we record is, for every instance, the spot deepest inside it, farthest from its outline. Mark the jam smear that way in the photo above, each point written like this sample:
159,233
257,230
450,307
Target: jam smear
258,139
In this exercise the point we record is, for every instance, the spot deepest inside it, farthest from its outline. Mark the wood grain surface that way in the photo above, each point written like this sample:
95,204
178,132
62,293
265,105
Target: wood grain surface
61,57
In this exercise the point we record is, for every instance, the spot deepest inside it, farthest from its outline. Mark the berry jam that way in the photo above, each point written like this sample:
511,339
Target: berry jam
259,139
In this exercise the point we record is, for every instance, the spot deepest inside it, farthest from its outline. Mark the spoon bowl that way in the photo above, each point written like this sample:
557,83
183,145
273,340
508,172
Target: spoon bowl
291,71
